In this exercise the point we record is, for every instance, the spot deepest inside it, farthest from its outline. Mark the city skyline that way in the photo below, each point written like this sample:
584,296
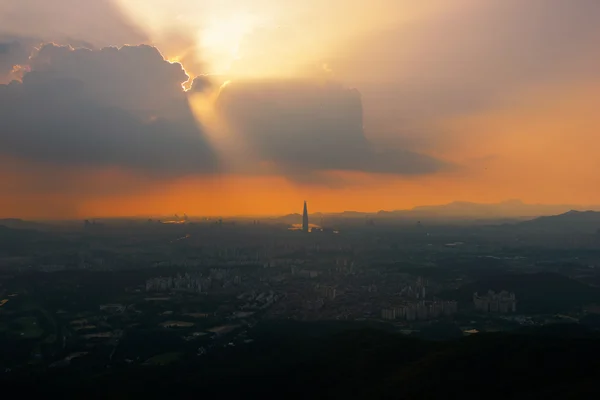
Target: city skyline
512,208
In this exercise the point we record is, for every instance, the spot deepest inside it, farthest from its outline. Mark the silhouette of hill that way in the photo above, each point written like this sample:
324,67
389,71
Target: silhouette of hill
505,209
515,209
570,222
512,210
290,219
553,362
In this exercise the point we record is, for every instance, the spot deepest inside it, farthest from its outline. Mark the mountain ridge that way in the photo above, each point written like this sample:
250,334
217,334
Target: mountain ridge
573,221
456,210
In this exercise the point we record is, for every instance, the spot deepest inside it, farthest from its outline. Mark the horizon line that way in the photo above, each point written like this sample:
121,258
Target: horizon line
579,207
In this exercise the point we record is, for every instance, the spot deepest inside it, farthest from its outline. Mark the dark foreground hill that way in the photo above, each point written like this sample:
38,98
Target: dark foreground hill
559,362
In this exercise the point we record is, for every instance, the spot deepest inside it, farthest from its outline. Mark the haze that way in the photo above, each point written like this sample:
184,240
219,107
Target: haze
129,107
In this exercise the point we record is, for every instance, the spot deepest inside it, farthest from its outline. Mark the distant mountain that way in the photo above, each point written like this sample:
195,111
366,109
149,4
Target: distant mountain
290,219
466,210
572,221
505,211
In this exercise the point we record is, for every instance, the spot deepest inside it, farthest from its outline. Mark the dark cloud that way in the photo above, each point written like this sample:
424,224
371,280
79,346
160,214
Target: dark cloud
125,107
307,126
201,84
13,52
26,24
134,78
112,107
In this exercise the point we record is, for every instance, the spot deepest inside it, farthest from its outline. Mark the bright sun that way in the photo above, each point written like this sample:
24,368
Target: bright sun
222,37
219,27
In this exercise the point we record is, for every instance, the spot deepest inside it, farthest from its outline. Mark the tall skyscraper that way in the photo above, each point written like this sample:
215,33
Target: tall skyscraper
305,219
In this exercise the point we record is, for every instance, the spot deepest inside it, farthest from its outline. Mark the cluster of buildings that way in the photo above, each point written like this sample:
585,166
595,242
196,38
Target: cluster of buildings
420,311
344,266
206,261
282,262
492,302
328,292
52,267
196,283
185,282
304,273
223,274
418,291
258,301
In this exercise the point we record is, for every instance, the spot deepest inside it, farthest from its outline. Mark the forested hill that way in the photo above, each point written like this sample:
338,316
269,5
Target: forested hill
555,362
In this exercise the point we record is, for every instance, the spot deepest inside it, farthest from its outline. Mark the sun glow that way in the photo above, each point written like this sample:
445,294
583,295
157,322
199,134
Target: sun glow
234,151
223,36
228,145
266,38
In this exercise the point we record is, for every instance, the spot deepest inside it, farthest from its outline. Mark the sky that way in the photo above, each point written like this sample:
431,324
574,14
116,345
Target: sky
229,107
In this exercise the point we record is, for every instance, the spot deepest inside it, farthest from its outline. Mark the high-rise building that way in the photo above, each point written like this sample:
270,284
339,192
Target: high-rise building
328,292
388,313
503,302
305,219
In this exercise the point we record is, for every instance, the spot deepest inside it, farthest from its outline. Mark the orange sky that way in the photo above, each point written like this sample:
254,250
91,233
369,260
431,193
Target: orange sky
543,149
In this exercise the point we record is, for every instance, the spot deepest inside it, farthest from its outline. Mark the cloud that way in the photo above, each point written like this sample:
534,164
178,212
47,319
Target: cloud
201,84
468,59
88,124
125,107
471,53
133,78
307,126
13,52
26,24
110,107
98,22
177,44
